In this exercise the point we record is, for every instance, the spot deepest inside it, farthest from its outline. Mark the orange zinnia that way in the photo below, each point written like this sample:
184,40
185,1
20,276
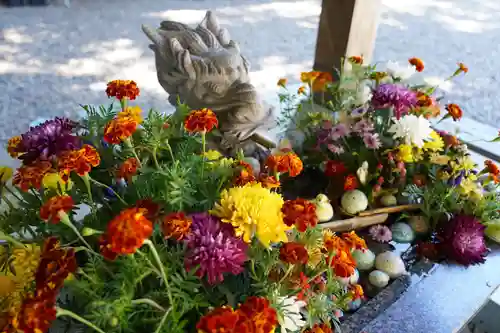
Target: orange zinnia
30,176
203,120
13,146
356,60
454,111
122,89
128,169
119,129
80,161
51,209
418,63
299,212
128,231
176,226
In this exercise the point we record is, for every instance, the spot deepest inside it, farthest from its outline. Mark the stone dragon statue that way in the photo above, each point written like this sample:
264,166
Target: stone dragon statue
203,68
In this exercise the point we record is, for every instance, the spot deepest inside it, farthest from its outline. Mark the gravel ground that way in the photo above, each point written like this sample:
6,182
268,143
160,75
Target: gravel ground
54,58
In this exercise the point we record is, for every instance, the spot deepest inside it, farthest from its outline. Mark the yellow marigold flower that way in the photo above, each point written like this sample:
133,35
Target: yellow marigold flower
12,146
439,159
253,211
5,174
131,112
435,144
54,181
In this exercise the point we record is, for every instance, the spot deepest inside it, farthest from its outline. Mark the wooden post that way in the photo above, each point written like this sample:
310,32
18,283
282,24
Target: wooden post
346,28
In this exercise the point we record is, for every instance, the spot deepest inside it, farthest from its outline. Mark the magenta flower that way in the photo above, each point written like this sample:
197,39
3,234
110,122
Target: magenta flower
363,126
213,246
372,141
339,131
48,139
397,96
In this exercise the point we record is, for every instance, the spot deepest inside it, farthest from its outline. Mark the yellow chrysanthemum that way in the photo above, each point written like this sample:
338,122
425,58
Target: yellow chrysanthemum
435,144
53,181
132,112
469,187
253,211
409,153
463,163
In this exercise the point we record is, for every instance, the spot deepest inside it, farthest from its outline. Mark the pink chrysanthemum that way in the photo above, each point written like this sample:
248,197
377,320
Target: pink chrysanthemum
213,247
372,141
463,240
363,127
339,131
380,233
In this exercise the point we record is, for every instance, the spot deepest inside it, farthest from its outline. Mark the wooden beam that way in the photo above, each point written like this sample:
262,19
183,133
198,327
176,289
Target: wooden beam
346,28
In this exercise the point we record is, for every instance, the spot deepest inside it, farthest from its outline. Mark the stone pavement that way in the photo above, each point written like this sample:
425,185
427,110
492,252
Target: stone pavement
53,58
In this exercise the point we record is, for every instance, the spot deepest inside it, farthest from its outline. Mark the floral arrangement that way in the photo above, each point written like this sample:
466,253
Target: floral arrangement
124,222
375,136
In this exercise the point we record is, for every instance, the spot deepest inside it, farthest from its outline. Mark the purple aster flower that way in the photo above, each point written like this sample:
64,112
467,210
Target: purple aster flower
213,246
363,126
339,131
397,96
372,141
48,139
335,149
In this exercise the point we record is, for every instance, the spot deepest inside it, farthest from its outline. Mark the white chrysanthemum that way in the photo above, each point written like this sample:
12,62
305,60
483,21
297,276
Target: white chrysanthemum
400,71
290,318
412,129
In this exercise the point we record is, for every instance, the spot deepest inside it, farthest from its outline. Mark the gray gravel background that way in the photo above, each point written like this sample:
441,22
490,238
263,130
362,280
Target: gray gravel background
53,58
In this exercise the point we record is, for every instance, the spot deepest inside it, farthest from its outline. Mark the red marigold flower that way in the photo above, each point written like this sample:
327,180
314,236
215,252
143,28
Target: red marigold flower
418,63
320,328
13,146
356,60
80,161
122,89
245,175
354,241
350,183
203,120
333,168
294,253
153,209
105,248
261,316
119,129
454,111
219,320
128,169
36,315
128,230
30,176
269,182
176,226
52,207
299,212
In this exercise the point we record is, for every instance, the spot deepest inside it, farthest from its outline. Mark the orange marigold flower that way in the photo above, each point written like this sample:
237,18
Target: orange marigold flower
128,169
13,146
321,82
131,112
299,212
492,168
294,253
354,241
320,328
261,316
350,183
282,82
454,111
288,162
269,182
36,315
105,248
80,161
424,100
418,63
52,207
356,60
356,291
295,164
244,177
30,176
219,320
176,226
128,231
462,68
122,89
343,264
332,242
301,90
153,209
308,77
119,129
203,120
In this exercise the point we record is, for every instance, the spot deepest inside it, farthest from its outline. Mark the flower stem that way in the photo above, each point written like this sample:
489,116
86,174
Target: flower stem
66,221
8,202
86,180
162,270
148,301
155,159
109,189
11,239
288,271
129,145
203,144
64,312
169,148
162,321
